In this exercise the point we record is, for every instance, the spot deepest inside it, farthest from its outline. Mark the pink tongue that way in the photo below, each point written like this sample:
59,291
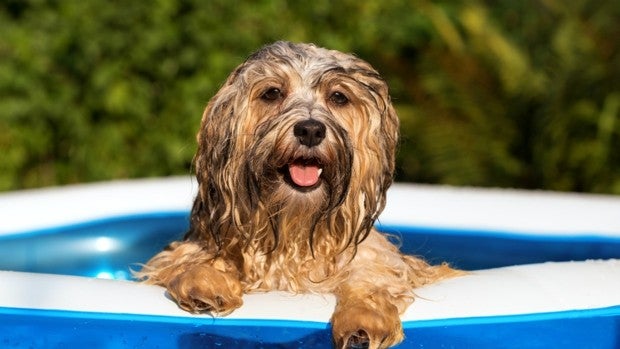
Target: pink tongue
304,176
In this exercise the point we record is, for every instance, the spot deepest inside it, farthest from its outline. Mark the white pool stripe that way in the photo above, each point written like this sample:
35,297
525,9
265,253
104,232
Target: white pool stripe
527,289
499,210
28,210
408,205
74,293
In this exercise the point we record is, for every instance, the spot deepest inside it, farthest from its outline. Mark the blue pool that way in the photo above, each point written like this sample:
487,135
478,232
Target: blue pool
109,247
55,290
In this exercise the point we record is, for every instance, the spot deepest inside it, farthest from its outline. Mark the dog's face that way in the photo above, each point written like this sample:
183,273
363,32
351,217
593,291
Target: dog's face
296,131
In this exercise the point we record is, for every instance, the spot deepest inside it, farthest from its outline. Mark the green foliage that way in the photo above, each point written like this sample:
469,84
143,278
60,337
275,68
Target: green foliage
514,93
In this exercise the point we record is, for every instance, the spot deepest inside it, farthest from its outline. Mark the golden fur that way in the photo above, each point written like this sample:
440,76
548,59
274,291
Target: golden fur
254,229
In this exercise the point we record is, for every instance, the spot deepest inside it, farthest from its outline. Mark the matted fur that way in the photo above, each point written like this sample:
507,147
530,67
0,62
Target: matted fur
252,229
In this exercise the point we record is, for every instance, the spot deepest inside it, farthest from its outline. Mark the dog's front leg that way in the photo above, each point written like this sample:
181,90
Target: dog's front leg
196,279
365,317
376,287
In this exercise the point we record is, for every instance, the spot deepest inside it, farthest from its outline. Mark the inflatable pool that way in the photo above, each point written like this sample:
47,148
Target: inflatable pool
545,271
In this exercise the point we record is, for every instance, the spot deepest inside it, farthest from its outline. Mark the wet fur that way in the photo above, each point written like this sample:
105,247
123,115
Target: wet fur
251,230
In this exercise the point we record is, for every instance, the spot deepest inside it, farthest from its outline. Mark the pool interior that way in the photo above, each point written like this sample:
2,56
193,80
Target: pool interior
109,248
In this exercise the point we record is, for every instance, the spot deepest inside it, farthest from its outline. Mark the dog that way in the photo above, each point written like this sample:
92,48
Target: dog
295,154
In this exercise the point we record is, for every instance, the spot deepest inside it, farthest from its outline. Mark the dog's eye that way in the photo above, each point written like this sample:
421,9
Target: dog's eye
338,98
271,94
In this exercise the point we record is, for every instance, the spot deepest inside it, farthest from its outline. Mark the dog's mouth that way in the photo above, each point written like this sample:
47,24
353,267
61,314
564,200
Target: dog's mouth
303,174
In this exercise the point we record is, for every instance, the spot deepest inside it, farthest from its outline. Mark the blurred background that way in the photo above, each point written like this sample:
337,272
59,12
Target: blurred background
522,94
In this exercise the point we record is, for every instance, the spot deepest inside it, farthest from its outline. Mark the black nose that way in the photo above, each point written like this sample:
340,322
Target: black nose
309,132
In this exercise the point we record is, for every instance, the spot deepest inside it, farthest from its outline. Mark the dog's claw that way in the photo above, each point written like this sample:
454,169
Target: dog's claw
358,340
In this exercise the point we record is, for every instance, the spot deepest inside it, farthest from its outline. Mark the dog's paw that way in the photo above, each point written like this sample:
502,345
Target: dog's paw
360,326
203,288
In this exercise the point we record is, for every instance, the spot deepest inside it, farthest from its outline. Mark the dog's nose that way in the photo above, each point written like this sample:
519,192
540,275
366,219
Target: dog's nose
309,132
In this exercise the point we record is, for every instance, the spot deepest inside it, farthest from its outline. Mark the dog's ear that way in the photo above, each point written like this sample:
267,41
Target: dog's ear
381,148
213,213
388,121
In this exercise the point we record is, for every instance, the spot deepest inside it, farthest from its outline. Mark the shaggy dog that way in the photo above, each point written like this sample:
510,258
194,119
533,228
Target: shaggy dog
295,155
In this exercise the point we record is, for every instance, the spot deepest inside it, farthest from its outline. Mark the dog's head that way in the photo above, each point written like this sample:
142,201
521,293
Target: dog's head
298,136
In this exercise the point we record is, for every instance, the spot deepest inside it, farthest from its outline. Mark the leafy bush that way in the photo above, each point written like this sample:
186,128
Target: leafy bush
516,93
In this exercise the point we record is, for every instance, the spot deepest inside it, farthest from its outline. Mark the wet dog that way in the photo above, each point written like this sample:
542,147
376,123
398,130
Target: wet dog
295,155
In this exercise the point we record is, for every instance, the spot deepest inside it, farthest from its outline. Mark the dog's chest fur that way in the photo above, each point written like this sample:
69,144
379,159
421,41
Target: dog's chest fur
291,267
